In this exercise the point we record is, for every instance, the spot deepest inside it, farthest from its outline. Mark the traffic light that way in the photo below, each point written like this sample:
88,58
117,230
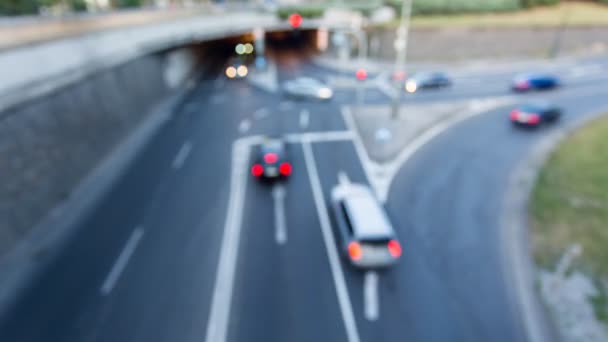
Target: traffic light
295,20
361,74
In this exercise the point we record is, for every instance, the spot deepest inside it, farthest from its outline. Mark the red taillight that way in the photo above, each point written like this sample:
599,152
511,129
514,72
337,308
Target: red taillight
523,85
399,76
354,250
295,20
285,169
257,170
514,114
533,119
271,158
361,74
394,248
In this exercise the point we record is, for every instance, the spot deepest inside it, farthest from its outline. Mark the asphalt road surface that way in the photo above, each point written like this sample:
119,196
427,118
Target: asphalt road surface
189,247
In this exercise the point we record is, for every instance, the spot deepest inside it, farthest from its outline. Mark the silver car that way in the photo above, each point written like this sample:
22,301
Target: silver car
307,88
365,234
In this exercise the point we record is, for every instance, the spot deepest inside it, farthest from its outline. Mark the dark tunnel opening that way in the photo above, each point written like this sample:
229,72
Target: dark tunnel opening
213,57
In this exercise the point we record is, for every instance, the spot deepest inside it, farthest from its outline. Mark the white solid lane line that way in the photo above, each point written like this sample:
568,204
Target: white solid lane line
343,179
245,125
304,118
122,261
370,296
334,261
278,196
319,136
182,155
367,164
217,326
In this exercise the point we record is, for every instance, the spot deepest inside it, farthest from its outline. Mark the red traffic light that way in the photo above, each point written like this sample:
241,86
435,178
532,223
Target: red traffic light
361,74
295,20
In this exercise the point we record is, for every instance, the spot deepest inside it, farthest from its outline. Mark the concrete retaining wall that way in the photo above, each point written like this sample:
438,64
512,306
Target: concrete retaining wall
49,144
465,44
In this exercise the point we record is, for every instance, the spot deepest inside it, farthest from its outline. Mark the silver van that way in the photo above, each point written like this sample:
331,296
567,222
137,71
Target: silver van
365,234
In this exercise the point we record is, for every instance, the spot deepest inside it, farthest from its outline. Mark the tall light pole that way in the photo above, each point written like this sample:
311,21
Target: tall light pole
362,38
401,46
559,35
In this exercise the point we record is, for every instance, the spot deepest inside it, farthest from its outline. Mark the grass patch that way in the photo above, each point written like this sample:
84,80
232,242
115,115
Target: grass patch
600,306
577,14
434,7
569,205
307,12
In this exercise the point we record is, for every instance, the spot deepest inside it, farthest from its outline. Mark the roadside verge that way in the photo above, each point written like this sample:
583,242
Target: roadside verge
568,212
517,261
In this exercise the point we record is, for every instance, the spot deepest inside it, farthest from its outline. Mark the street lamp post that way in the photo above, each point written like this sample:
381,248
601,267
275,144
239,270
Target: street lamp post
362,38
358,33
401,46
559,35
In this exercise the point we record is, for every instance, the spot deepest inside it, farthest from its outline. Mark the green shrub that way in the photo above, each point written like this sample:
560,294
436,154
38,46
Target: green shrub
77,5
127,3
533,3
366,8
429,7
18,7
308,12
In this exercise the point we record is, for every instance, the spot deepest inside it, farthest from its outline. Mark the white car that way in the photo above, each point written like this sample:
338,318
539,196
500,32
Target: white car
306,87
366,236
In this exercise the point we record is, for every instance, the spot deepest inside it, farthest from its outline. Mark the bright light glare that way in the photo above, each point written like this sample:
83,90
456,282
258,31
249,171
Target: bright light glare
271,158
394,248
325,93
354,250
248,48
257,170
285,169
231,72
242,71
361,74
411,86
240,49
534,119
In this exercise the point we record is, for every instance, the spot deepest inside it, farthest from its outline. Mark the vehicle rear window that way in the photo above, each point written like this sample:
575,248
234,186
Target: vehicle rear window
349,225
375,242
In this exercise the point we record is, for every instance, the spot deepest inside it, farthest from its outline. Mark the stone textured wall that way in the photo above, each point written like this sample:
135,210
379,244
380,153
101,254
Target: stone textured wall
48,145
464,44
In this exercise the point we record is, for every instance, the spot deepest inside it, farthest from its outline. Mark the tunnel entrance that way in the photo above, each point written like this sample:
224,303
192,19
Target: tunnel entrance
291,46
286,47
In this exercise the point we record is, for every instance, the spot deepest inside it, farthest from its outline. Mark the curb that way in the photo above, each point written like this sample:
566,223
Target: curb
517,260
22,263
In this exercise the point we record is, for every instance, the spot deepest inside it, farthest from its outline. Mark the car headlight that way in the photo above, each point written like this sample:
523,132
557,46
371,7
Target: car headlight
411,86
325,93
231,72
242,71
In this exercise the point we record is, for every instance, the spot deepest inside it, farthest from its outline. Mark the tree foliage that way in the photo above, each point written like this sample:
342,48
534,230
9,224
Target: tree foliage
18,7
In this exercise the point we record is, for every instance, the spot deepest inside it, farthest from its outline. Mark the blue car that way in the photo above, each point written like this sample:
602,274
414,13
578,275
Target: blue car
529,82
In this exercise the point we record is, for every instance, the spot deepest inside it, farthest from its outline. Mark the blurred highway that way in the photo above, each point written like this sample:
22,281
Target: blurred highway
144,265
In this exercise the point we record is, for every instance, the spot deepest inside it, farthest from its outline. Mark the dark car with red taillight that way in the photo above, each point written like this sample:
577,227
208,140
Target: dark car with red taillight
271,160
535,114
528,82
365,234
